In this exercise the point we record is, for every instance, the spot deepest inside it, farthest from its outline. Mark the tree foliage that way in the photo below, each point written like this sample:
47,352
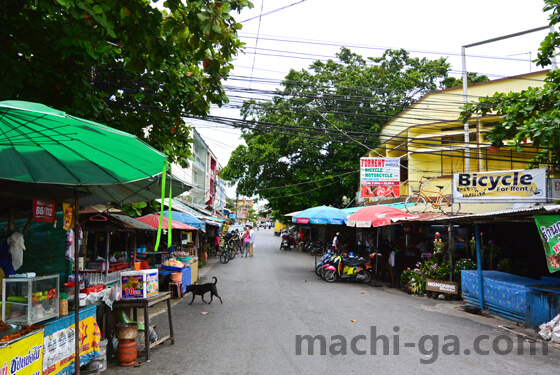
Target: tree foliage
303,147
533,113
450,82
125,64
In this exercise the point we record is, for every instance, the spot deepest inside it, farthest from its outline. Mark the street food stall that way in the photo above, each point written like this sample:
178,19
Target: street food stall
58,162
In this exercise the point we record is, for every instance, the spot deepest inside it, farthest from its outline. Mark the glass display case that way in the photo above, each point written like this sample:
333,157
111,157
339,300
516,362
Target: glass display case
29,300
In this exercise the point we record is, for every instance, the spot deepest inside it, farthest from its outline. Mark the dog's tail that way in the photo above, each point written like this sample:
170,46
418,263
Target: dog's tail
215,280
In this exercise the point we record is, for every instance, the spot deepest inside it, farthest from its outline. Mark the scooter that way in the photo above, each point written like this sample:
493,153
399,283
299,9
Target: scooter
287,241
352,268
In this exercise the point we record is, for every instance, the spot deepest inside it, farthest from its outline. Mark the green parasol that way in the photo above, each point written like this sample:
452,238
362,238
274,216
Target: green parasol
39,144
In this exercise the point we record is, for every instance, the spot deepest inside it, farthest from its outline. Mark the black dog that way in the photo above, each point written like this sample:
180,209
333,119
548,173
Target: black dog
200,290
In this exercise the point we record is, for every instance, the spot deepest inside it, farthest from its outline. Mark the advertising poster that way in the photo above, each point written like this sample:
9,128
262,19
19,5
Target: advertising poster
59,347
68,210
380,177
501,186
549,230
23,357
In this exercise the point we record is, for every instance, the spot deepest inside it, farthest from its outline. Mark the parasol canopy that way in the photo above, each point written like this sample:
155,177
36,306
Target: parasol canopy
320,215
153,221
39,144
377,216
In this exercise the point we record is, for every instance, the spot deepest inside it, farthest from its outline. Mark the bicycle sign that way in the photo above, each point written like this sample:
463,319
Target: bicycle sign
501,186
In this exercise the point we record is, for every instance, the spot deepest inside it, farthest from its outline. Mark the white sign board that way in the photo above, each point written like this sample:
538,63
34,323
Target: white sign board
500,186
380,171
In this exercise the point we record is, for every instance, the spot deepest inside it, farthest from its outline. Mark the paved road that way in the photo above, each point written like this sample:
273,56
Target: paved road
275,296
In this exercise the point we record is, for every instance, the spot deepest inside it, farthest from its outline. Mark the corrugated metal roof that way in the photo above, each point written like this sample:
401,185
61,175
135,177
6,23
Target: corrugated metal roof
132,223
472,210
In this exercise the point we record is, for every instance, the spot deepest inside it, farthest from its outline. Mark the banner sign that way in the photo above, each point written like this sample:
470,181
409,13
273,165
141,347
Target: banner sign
501,186
23,357
549,230
381,191
60,347
43,210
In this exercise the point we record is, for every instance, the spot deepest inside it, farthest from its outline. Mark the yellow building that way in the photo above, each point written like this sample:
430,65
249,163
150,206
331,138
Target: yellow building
430,140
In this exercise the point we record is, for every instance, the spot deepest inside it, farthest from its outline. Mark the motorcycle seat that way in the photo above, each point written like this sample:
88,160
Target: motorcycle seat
355,262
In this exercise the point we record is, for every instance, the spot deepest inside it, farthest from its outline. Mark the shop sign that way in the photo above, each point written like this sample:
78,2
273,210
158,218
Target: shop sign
380,177
549,230
43,210
380,171
501,186
23,357
442,286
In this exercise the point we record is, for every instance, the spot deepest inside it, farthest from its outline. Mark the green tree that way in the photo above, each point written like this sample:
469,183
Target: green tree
532,113
471,78
125,64
303,147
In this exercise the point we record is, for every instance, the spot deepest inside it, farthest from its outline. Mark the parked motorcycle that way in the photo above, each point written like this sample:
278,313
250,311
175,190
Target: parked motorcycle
352,268
287,241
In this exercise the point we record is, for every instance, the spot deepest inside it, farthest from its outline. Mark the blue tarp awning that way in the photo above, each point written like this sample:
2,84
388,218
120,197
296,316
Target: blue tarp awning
186,219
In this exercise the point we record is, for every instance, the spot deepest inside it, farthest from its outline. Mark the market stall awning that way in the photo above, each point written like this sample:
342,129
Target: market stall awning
153,221
186,219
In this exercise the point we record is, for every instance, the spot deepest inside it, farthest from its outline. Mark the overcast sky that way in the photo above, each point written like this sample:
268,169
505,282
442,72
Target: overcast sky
294,37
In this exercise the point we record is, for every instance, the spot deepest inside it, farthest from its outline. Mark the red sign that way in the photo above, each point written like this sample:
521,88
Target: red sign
380,191
43,210
302,220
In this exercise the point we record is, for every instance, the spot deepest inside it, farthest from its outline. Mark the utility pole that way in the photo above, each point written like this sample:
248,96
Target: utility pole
465,96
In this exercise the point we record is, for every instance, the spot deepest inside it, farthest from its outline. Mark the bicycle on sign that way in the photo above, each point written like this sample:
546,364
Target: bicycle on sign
417,202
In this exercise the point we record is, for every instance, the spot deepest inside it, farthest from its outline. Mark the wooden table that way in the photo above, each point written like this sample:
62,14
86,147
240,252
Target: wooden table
146,303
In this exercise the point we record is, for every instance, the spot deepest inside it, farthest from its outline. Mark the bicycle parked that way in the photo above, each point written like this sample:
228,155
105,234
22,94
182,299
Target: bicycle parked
418,201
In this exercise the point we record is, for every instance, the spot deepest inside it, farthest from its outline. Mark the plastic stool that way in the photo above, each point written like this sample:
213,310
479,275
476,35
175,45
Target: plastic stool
179,287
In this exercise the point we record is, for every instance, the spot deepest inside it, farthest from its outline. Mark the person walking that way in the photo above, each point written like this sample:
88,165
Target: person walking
246,242
335,242
251,241
217,241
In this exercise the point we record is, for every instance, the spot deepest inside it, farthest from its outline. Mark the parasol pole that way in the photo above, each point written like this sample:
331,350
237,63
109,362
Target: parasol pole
376,254
169,224
158,237
76,287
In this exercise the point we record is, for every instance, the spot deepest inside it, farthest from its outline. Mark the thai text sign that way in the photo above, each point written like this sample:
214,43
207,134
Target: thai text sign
441,286
549,230
23,357
501,186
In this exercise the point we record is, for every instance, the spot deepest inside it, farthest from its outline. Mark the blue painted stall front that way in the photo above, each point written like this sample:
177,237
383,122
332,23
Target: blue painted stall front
543,304
504,294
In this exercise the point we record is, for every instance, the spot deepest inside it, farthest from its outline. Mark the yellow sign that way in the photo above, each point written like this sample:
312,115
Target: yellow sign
59,347
23,357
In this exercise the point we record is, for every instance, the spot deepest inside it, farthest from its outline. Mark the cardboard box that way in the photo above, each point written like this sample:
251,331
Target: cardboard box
139,284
